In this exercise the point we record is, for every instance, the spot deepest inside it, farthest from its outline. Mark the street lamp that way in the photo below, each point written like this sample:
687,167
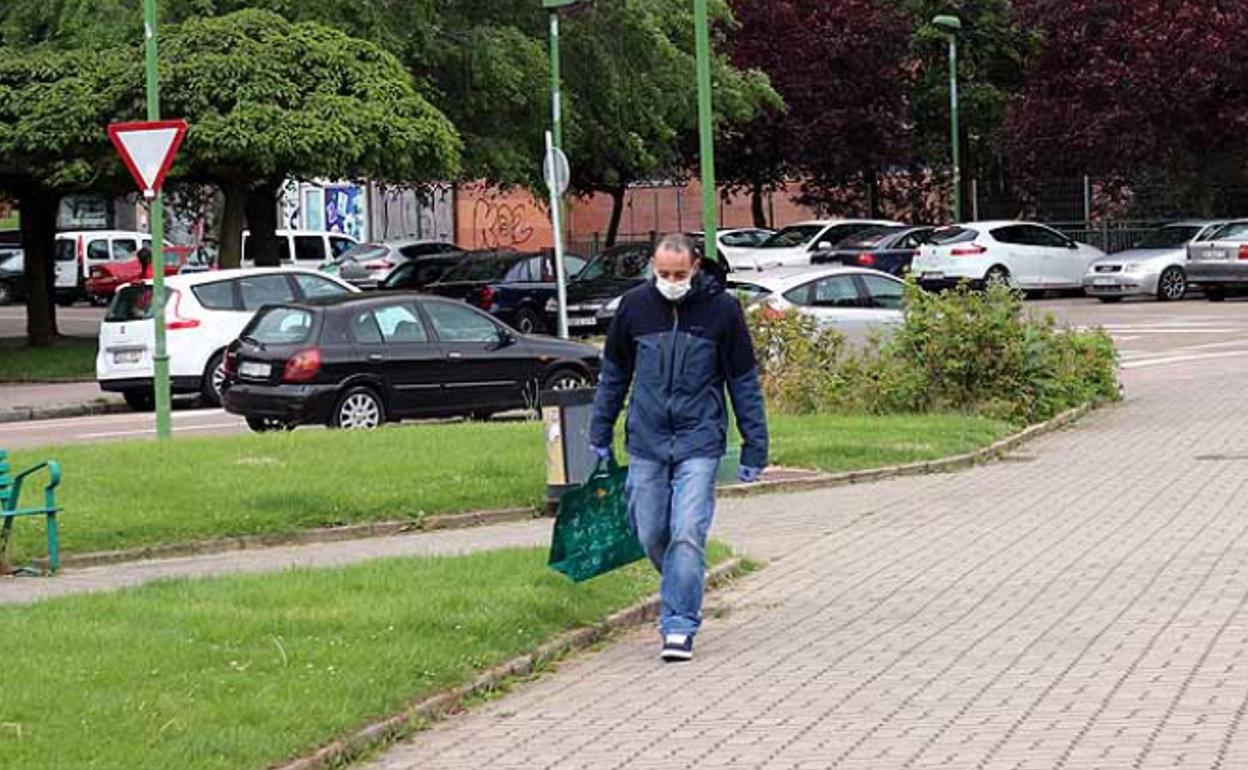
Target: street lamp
555,148
951,26
706,131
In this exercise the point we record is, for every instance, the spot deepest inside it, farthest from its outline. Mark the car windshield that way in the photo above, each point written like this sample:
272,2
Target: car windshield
11,260
1171,237
280,326
869,238
132,303
482,267
791,237
1235,231
620,264
748,293
948,235
363,252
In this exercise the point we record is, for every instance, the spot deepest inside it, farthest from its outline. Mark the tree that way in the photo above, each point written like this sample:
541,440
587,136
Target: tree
269,100
992,56
840,68
53,109
1137,90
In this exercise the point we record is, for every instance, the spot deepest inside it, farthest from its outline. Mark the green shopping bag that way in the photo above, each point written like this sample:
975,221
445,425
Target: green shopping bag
593,535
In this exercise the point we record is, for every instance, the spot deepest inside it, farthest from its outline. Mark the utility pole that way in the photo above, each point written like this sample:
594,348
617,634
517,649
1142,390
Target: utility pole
706,131
951,26
160,361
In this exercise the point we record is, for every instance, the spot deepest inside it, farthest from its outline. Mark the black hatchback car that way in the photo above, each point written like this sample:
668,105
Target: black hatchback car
357,362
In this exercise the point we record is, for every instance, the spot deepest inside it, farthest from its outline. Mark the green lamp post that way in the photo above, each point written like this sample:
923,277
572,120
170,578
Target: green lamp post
951,26
160,361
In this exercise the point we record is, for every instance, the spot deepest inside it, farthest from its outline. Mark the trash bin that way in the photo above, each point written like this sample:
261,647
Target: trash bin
569,462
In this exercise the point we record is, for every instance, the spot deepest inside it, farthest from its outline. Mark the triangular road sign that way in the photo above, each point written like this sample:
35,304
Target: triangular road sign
148,149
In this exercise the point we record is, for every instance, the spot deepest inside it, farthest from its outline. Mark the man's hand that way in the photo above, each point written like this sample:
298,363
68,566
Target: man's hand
748,475
604,453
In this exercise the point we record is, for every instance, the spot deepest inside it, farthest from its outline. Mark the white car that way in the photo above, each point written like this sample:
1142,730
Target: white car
794,245
306,248
204,312
733,243
854,301
1023,255
79,251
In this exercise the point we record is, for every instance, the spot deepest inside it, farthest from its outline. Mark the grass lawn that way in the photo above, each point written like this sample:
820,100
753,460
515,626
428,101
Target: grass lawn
68,360
139,493
244,672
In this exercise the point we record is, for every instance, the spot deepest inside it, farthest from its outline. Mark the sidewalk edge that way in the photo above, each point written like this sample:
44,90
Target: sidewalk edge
395,728
987,454
37,413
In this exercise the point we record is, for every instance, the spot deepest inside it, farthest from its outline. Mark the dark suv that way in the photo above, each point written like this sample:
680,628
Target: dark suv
361,361
513,286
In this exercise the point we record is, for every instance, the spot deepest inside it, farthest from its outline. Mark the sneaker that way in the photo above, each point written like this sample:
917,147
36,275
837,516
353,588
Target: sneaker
677,647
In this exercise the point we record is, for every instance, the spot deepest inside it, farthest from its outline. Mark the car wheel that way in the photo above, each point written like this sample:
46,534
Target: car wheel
1034,294
1215,294
566,379
268,424
1110,300
65,301
213,380
359,409
140,400
997,276
480,416
527,321
1172,286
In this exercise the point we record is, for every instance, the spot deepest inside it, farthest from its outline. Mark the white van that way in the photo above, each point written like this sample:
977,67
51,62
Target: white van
306,248
79,251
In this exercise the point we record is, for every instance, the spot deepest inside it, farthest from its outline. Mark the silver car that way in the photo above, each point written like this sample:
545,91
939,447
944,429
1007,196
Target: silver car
854,301
1218,262
366,265
1156,267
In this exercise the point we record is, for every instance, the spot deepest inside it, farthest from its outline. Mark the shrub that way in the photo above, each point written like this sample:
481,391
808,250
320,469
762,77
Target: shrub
958,351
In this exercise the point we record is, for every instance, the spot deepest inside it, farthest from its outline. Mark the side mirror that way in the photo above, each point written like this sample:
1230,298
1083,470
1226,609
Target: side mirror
505,338
824,246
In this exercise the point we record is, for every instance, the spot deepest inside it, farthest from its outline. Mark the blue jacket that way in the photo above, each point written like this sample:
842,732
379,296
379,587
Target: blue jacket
678,359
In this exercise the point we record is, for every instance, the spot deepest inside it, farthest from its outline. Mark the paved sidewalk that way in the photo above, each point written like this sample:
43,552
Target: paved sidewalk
46,400
1083,606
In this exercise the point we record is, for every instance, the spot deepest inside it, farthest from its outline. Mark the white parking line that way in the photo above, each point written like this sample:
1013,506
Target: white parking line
152,431
1170,360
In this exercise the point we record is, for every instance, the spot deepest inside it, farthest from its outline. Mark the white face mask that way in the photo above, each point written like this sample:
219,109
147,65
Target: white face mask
675,291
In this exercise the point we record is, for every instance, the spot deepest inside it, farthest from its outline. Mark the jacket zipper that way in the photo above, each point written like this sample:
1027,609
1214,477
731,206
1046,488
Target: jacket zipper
671,381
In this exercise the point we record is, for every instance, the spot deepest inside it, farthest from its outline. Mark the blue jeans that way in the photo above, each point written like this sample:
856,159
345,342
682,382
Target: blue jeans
671,506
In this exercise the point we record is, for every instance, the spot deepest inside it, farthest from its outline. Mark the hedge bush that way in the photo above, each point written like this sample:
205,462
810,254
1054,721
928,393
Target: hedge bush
968,351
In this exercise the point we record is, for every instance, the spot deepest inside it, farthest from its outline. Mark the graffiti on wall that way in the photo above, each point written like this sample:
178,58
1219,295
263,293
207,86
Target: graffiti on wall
497,224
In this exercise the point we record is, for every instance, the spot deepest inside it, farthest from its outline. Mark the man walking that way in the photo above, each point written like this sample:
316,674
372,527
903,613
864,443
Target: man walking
678,341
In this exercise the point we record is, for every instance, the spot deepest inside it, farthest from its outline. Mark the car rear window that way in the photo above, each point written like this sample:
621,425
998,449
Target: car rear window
869,238
65,250
491,268
949,235
215,296
1235,231
748,293
364,252
131,303
280,326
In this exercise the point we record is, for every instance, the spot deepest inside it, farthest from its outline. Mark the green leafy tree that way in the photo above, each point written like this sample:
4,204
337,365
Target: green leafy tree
269,100
53,109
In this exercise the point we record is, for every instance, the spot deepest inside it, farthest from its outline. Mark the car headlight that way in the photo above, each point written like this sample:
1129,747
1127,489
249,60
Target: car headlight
613,305
552,305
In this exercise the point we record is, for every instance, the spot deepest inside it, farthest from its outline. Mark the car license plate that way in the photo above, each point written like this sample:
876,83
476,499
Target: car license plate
933,276
1103,282
253,370
127,356
582,322
1212,254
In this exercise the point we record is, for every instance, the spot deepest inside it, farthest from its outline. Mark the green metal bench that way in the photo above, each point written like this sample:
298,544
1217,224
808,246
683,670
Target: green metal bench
10,495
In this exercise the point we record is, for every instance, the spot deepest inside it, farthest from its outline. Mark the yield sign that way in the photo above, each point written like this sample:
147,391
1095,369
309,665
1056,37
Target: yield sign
148,149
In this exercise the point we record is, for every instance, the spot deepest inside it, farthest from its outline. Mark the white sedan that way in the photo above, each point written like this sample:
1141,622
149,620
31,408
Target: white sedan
204,313
1023,255
854,301
794,245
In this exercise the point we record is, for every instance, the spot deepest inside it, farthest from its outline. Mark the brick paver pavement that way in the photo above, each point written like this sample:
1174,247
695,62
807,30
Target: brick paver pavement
1081,606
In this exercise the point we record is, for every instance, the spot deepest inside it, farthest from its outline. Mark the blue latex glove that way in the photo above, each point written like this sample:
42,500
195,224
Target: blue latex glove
604,453
748,475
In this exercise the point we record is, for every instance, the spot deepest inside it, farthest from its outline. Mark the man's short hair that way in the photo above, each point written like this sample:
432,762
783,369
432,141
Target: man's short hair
678,243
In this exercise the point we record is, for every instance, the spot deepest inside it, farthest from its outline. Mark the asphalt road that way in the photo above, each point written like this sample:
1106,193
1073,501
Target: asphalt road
76,321
1157,342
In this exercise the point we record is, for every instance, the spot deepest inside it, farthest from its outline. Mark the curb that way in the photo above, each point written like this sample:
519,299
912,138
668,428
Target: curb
302,537
392,729
947,465
32,413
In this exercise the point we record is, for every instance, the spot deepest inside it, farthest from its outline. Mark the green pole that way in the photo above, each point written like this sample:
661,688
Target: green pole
706,129
953,119
160,361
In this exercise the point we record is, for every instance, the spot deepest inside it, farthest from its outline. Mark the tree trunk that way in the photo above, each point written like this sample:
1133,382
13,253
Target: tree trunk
873,193
233,222
38,214
757,204
617,211
262,243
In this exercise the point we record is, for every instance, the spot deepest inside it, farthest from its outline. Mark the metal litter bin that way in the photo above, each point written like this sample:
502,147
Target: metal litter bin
569,460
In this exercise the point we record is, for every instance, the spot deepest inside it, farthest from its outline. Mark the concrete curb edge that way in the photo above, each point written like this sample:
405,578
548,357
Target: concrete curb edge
947,465
390,730
36,413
